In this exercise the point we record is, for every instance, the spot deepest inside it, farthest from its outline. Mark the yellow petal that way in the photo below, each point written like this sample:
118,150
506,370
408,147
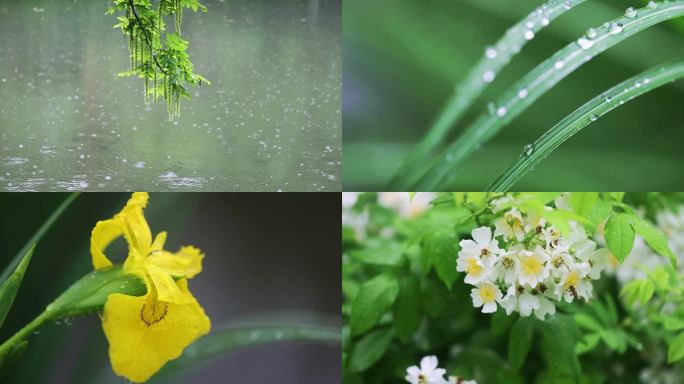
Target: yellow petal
158,243
144,333
136,230
187,262
103,234
166,287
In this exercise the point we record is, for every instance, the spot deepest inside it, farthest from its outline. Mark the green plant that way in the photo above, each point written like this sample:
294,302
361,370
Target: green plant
164,65
437,172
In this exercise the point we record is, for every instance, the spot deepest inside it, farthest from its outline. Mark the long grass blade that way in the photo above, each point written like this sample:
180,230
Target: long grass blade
466,92
230,339
537,82
583,116
10,286
37,236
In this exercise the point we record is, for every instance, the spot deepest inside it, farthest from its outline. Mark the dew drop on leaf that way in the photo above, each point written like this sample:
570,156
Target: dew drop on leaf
616,28
593,117
631,12
490,53
568,4
529,34
522,93
559,64
491,108
488,76
545,22
585,43
652,4
501,111
528,149
591,33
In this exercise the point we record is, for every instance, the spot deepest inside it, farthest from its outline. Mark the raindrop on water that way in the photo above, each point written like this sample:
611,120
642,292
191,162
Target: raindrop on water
490,53
631,12
108,177
528,149
82,156
488,76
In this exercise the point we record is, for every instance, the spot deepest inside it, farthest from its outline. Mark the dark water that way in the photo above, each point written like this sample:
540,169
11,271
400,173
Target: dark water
270,121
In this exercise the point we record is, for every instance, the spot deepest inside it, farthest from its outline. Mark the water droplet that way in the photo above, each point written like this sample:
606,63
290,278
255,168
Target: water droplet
491,108
501,111
567,4
646,81
585,43
529,35
488,76
490,53
522,93
637,84
631,12
591,33
652,4
82,156
545,21
108,177
528,149
609,98
559,64
515,48
616,28
593,117
529,24
36,332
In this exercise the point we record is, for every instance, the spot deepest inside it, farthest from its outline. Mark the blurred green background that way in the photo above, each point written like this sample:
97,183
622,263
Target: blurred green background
402,59
265,253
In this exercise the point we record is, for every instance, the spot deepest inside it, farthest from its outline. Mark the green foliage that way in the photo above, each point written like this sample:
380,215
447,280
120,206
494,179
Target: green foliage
520,341
163,64
9,287
619,235
407,309
374,298
370,349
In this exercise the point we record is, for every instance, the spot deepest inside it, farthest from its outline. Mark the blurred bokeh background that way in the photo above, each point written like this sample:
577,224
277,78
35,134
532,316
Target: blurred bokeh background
265,253
402,59
270,120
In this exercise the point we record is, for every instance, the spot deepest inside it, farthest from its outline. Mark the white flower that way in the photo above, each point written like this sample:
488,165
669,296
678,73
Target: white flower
551,236
427,373
546,307
598,260
483,245
559,262
575,235
405,205
532,267
517,298
535,224
505,267
349,199
563,201
574,285
510,226
500,203
476,270
486,295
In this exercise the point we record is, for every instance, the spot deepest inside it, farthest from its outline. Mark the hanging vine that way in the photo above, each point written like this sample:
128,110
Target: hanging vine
164,65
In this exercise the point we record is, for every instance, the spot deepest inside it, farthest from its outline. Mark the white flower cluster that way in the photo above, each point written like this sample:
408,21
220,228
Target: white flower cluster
429,373
536,266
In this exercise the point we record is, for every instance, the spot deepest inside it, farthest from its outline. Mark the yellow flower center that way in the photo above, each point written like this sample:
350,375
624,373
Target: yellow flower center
572,280
473,267
530,265
487,293
153,311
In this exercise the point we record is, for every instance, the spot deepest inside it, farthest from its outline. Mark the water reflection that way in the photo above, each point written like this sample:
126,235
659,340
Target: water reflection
270,121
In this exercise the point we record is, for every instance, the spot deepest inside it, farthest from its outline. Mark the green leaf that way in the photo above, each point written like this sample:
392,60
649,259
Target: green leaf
370,349
229,339
373,299
673,323
9,287
408,310
559,337
35,239
587,343
675,351
440,251
382,253
500,322
520,341
583,202
434,297
619,235
11,358
600,212
655,238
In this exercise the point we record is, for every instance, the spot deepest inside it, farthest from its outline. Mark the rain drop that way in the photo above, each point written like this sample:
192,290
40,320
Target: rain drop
82,156
528,149
652,4
568,4
108,177
631,12
637,84
529,24
501,112
608,98
593,117
529,35
585,43
488,76
616,28
545,21
591,33
559,64
490,53
522,93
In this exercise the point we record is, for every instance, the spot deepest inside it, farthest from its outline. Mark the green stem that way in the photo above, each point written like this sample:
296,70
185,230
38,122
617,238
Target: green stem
25,332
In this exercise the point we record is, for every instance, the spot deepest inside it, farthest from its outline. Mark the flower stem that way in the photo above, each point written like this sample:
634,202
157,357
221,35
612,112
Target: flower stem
25,332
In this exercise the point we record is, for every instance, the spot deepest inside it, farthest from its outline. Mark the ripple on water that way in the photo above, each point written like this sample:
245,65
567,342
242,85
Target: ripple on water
175,182
15,160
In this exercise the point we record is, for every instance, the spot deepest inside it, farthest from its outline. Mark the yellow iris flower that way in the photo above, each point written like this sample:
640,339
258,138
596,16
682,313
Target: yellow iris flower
146,332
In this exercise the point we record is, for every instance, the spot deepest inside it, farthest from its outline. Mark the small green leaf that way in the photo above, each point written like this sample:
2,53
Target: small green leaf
370,349
620,235
676,350
655,238
434,297
11,358
379,253
373,299
559,337
500,322
600,212
408,310
587,343
520,341
9,287
583,202
440,251
673,323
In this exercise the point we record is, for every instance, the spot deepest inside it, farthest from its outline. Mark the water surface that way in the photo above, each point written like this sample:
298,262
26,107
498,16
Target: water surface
270,121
